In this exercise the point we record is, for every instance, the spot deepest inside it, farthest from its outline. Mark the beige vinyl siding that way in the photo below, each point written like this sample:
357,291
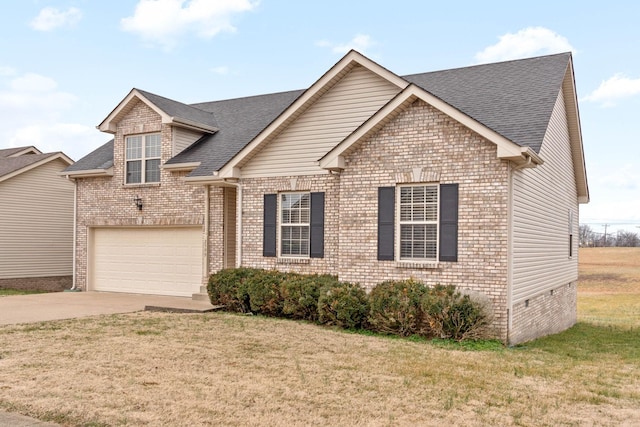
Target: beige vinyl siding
542,199
327,122
182,138
36,223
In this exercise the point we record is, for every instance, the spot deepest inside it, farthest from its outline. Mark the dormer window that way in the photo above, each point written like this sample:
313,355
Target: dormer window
142,158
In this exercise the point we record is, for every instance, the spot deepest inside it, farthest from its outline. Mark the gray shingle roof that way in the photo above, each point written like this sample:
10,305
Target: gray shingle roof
6,152
513,98
179,110
12,164
100,158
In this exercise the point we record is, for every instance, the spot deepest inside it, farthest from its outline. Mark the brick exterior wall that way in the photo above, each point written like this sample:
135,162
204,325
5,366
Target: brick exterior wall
254,190
546,314
438,149
51,284
107,201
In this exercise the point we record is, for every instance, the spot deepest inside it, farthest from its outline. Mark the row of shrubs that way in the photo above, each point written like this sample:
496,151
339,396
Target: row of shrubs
398,307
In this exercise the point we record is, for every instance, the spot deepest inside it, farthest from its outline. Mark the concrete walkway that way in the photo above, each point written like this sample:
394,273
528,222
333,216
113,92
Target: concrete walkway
69,305
8,419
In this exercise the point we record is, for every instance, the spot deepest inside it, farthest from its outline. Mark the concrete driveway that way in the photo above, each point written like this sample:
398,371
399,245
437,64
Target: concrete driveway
68,305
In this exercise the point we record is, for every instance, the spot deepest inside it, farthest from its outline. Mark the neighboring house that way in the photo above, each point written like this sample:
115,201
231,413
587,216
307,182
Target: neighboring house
470,177
36,220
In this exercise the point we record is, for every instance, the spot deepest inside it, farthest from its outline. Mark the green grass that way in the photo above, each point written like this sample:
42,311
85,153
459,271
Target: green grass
590,342
10,292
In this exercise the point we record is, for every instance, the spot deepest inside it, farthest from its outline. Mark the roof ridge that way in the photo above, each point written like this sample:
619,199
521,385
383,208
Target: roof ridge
489,64
247,97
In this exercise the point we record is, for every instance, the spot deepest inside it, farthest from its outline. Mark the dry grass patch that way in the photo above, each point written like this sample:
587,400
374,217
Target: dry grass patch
225,369
609,286
152,369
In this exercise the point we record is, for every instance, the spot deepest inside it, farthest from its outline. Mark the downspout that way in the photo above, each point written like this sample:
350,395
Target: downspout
75,225
510,256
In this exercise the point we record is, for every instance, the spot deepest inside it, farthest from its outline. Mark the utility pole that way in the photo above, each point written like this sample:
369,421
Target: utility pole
605,234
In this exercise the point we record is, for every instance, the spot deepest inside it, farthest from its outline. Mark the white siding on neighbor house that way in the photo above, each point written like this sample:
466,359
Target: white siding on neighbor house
543,198
36,223
182,138
327,122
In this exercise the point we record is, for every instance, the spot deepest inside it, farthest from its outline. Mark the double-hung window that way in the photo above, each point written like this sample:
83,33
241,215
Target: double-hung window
142,158
418,222
295,214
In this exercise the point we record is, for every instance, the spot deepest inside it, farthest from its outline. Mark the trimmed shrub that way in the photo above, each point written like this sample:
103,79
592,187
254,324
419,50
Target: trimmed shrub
343,304
300,293
394,307
452,315
263,289
228,287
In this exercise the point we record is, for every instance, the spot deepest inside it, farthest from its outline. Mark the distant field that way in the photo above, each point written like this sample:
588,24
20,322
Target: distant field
609,286
157,369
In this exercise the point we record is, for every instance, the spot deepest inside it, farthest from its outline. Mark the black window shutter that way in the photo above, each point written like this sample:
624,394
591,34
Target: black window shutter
269,232
449,222
317,226
386,227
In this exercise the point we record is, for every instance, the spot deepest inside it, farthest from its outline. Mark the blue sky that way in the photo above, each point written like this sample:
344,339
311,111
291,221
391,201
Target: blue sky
65,64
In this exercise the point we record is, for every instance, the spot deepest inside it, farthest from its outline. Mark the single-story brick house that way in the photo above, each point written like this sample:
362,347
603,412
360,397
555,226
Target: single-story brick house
469,176
36,220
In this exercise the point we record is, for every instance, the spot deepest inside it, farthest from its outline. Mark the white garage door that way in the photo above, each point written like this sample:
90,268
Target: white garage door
161,261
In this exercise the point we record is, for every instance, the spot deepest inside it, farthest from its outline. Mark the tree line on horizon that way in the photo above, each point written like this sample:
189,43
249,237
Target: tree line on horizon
620,238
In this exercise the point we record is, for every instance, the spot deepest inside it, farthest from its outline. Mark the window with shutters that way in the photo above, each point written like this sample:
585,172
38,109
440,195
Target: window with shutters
417,222
295,214
142,158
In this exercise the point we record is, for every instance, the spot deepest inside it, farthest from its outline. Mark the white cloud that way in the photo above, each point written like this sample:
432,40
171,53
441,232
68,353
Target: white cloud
222,70
617,87
50,18
361,42
33,110
164,21
527,42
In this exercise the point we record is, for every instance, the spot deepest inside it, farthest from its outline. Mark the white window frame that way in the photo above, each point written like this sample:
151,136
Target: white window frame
400,222
144,157
282,224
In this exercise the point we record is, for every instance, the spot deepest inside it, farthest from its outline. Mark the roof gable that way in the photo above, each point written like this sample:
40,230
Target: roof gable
303,103
506,149
18,151
171,112
13,166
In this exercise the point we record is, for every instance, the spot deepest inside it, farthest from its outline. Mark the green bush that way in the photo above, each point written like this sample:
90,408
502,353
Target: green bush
452,315
394,307
263,289
228,287
343,304
300,293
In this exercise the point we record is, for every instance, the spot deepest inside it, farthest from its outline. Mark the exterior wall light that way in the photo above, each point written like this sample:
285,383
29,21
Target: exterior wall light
138,201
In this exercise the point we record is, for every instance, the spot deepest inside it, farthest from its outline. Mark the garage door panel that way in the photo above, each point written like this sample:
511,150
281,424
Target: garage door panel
164,261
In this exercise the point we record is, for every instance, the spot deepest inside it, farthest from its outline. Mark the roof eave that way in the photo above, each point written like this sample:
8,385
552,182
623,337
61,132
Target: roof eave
575,134
89,173
179,167
506,149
